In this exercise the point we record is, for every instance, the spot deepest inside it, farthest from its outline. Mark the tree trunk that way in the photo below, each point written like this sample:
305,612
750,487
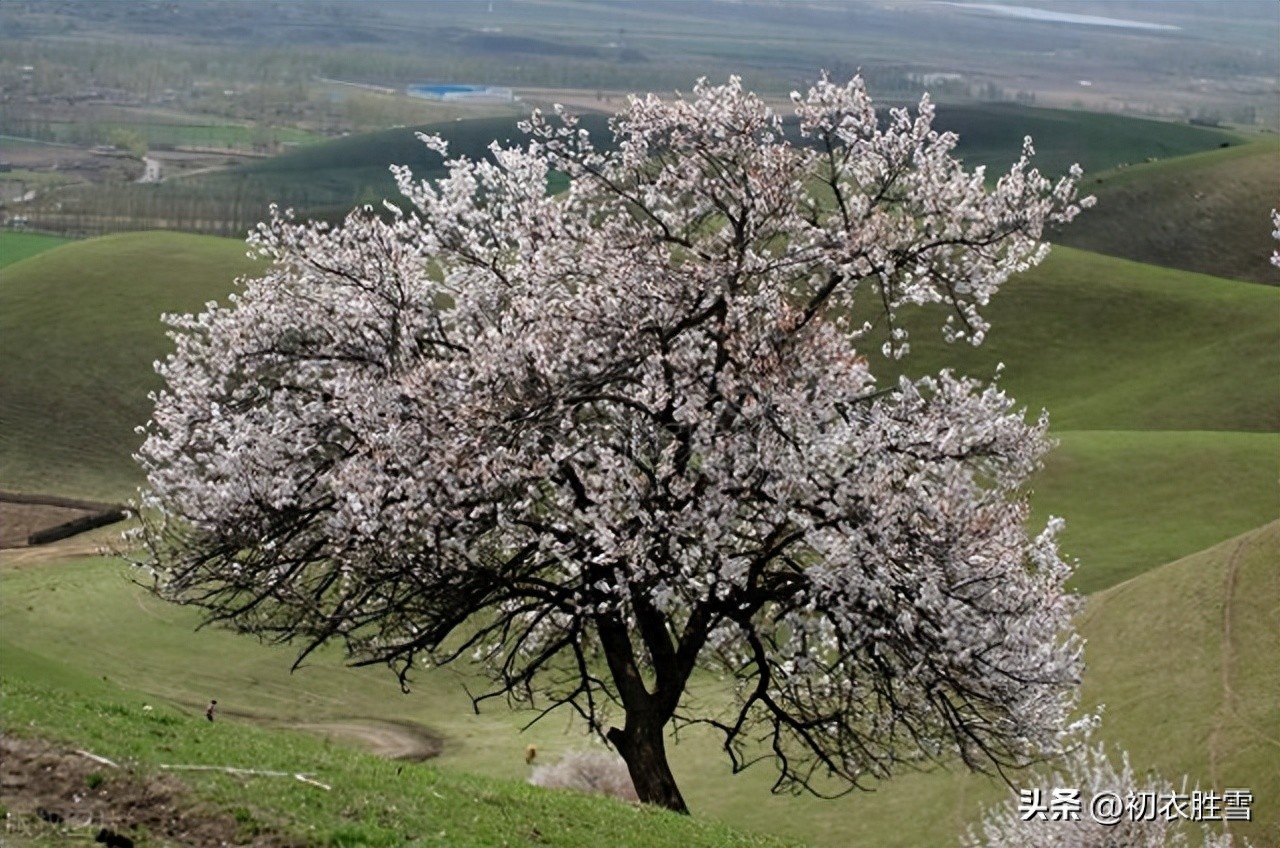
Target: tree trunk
643,747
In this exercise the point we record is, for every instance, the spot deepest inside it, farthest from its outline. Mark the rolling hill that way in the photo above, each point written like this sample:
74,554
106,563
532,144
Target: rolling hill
1206,212
79,330
325,180
1164,387
1184,657
991,134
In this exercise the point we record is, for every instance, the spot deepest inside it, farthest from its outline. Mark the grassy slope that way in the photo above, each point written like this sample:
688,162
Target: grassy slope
14,247
1174,723
333,176
1134,501
1107,344
1207,213
991,134
1185,659
79,330
373,802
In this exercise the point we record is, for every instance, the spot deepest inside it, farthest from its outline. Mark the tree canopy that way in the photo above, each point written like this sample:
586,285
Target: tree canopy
597,440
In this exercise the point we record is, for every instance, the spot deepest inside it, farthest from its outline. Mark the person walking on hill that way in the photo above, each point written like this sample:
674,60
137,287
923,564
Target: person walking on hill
209,710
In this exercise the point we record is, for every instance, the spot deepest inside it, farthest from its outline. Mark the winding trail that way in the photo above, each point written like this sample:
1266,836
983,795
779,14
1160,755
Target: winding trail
395,740
1227,710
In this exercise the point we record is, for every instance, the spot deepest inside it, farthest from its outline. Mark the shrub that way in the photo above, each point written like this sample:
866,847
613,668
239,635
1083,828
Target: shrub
596,772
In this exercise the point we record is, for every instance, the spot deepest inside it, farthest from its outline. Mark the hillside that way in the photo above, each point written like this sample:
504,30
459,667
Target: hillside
79,331
1206,212
14,247
991,134
1106,344
350,799
1136,500
1184,657
1155,652
326,179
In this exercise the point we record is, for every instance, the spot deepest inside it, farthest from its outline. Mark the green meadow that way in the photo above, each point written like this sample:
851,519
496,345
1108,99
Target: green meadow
161,135
79,330
1211,212
1163,387
15,246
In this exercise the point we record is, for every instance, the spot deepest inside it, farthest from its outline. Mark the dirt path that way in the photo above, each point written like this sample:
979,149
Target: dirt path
1227,710
395,740
79,797
82,545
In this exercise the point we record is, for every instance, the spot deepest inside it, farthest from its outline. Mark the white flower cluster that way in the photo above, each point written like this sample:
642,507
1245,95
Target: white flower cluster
1275,234
631,423
1085,777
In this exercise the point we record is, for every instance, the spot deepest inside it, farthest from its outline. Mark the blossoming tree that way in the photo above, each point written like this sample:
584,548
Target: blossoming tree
601,439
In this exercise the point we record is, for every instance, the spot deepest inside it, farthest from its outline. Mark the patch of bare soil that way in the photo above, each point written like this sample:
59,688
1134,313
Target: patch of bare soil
395,740
33,520
20,520
79,797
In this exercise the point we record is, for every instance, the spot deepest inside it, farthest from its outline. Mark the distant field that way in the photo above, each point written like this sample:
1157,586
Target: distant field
162,135
1208,213
335,175
14,247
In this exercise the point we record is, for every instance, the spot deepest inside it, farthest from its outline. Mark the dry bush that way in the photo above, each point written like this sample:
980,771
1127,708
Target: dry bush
597,772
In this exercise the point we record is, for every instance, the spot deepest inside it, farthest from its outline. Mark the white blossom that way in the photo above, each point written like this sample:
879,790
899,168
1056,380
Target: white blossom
600,438
1148,813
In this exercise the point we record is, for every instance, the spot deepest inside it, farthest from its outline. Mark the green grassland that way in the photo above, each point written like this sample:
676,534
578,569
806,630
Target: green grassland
1163,389
1206,212
1184,657
1107,344
170,134
991,134
373,801
1135,500
14,247
327,179
71,625
79,330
